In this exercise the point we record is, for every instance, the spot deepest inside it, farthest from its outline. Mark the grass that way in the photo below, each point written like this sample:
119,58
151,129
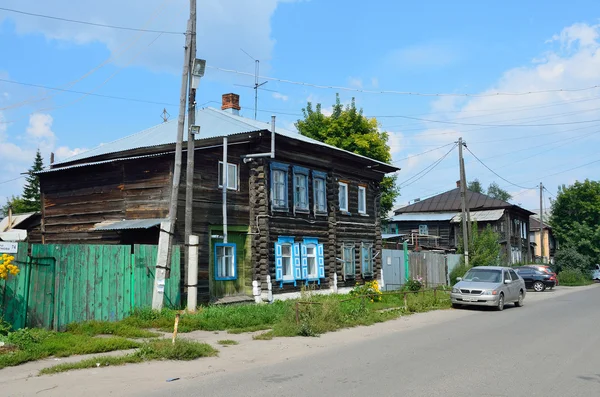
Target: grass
93,328
36,344
228,342
162,349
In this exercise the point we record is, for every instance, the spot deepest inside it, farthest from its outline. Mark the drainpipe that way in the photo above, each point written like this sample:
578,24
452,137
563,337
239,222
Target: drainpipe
225,182
270,154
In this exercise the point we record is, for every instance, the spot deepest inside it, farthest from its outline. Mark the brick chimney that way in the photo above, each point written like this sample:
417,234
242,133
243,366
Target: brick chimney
457,183
231,103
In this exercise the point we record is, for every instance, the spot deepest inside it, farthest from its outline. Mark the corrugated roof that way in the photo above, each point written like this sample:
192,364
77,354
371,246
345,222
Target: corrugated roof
423,216
481,216
15,221
100,162
213,123
450,201
387,236
534,223
128,224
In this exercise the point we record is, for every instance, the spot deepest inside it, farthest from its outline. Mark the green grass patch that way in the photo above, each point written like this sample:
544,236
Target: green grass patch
182,350
93,328
574,278
36,344
228,342
264,336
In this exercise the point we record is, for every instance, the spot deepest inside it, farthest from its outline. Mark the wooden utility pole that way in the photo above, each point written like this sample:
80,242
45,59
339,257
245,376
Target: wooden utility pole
163,259
542,220
463,200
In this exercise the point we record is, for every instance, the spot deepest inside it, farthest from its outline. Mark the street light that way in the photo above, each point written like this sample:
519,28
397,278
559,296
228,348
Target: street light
198,72
195,129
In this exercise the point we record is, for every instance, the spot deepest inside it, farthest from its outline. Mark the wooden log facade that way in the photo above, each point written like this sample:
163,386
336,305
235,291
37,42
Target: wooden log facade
117,187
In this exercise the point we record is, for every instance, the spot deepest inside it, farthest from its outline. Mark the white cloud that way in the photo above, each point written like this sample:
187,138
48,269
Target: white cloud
64,152
40,127
355,82
581,33
282,97
221,24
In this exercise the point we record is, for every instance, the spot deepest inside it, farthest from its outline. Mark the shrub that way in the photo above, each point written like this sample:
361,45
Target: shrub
569,258
574,277
370,288
458,271
5,327
415,284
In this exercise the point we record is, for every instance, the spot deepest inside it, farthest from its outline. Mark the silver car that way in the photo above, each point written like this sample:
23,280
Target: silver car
489,286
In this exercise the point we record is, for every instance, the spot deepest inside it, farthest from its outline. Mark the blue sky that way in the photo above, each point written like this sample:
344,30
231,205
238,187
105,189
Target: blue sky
424,47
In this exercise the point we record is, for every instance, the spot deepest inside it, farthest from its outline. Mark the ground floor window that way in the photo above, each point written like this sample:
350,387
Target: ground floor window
349,260
367,259
225,262
295,260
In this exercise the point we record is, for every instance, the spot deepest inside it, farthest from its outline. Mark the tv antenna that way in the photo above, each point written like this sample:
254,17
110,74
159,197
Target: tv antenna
257,85
165,115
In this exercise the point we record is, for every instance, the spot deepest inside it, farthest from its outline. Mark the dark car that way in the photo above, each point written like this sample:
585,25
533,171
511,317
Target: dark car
535,279
545,268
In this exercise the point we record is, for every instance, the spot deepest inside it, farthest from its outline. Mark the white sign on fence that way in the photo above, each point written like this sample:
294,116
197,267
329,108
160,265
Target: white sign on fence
8,247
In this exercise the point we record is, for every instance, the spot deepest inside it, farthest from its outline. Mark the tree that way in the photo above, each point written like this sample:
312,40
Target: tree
575,218
484,250
497,192
30,200
347,128
475,186
569,258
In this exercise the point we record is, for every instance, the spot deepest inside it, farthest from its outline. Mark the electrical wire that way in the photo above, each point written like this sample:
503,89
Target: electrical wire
404,92
495,173
90,23
420,154
421,174
14,179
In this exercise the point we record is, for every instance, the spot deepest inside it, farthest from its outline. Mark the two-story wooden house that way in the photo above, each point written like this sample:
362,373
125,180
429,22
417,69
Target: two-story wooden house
435,223
298,210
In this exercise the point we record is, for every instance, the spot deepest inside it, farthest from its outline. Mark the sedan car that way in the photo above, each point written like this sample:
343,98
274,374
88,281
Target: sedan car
547,269
489,286
535,279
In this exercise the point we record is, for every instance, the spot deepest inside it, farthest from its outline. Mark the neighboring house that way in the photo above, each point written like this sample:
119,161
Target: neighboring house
308,213
435,223
21,227
535,238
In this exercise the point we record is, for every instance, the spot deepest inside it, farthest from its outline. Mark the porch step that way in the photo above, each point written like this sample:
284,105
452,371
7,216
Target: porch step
228,300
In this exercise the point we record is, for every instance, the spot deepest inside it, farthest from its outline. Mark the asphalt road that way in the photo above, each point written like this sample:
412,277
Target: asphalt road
546,348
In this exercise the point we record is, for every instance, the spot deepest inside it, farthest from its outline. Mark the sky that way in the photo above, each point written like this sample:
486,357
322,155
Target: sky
517,80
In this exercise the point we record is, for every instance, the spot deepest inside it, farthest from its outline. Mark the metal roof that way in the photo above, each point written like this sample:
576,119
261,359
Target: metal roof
423,216
15,221
386,236
213,123
128,224
481,216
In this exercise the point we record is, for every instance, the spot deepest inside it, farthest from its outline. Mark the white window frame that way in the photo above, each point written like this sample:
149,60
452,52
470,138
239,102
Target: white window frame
362,194
231,185
225,265
343,205
314,247
290,276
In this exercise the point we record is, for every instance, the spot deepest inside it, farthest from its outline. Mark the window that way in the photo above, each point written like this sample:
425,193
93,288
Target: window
343,196
506,276
313,262
348,258
311,259
362,200
514,275
279,190
232,176
287,260
367,259
225,268
286,255
320,192
424,230
300,189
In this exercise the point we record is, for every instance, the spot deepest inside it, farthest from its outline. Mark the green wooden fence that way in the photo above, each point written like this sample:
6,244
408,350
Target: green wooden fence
62,284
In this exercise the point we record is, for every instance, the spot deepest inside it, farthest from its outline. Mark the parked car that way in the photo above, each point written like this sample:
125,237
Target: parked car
489,286
545,268
536,279
596,273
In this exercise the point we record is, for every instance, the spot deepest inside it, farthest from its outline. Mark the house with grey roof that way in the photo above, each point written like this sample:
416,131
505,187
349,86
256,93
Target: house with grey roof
299,212
435,223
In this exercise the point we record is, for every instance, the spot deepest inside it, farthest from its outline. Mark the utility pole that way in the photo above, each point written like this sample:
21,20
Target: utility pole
463,200
163,259
542,220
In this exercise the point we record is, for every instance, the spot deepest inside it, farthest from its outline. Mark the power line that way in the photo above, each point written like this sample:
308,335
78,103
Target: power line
420,154
405,92
421,174
90,23
86,93
11,180
495,173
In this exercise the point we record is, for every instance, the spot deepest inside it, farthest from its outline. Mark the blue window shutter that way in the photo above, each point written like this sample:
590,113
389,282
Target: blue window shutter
278,263
304,263
297,267
320,261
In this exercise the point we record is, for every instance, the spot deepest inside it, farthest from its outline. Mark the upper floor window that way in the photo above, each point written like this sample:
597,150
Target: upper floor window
320,192
362,200
300,189
279,186
343,196
232,176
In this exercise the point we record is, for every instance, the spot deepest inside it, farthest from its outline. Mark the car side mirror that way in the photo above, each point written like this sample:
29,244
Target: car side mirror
458,278
507,281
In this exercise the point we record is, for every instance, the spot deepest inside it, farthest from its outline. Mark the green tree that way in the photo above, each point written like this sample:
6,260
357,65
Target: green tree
348,129
475,186
16,203
484,248
575,218
497,192
30,200
569,258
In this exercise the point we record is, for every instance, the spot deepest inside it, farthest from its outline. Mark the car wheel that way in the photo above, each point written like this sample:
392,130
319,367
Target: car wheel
500,305
456,306
538,286
519,303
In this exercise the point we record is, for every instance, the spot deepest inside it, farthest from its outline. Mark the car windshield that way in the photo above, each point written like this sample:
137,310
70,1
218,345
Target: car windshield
483,275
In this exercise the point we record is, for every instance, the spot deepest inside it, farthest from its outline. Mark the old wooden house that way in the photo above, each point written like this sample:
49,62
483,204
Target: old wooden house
435,223
298,210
